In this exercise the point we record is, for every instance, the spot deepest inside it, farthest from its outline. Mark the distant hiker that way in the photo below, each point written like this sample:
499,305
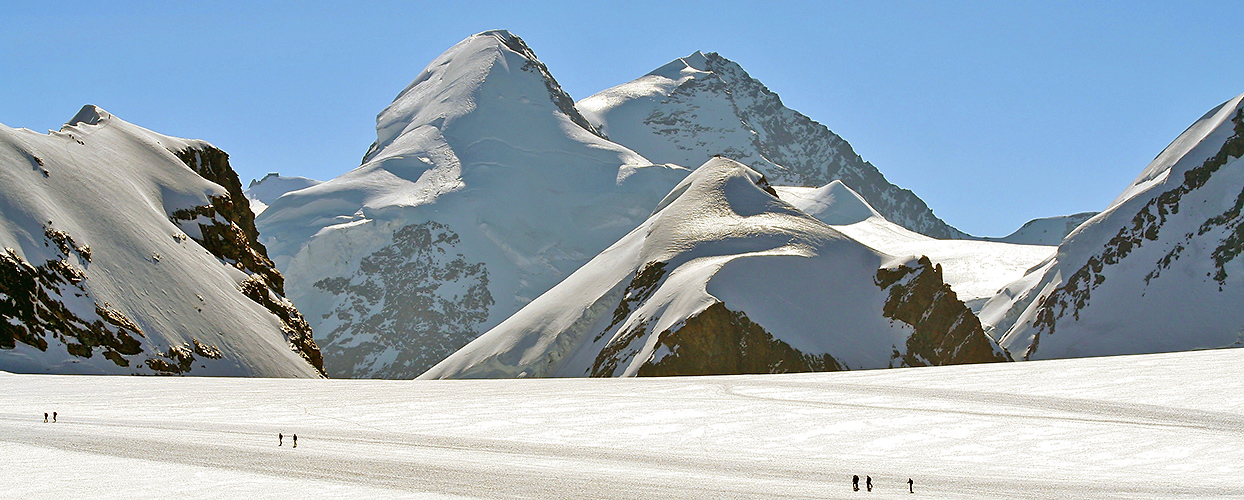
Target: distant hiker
868,481
911,485
280,439
53,417
855,482
295,440
45,417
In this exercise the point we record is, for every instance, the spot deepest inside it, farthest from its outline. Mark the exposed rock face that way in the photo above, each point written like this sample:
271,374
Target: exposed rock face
226,228
708,105
719,341
947,333
1157,271
39,302
409,305
126,251
1146,226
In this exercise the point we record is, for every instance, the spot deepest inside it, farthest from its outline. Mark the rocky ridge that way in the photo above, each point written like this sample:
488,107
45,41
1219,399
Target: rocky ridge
125,252
1162,257
704,105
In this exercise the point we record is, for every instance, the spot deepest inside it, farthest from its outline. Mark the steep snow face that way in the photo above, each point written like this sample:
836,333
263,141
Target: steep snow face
263,192
976,270
1158,270
484,188
704,104
1046,230
130,252
727,278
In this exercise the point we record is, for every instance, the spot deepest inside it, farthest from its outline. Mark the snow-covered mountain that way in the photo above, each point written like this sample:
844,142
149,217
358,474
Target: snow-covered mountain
485,187
130,252
1046,230
726,278
703,105
976,270
263,192
1158,270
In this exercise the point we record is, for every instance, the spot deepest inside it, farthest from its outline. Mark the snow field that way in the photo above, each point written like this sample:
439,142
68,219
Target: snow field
1148,426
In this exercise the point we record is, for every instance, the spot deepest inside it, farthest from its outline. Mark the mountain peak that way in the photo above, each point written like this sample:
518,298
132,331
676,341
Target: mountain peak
90,115
834,203
502,35
704,104
451,87
698,60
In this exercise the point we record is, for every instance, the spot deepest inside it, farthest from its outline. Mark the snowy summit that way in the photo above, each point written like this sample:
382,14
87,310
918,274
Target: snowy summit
703,105
130,252
484,188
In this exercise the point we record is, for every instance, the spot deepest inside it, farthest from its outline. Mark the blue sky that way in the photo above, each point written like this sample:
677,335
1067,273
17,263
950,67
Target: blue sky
994,112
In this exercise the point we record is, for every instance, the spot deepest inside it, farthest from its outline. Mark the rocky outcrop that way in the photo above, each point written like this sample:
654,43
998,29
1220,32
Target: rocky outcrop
1146,226
946,331
35,305
410,304
719,341
226,228
1157,271
227,225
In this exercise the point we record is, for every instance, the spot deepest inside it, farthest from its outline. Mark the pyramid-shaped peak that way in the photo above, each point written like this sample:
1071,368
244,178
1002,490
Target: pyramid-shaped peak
697,61
834,203
509,40
452,86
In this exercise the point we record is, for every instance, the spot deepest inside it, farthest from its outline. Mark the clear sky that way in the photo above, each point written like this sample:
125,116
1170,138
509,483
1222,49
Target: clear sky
994,112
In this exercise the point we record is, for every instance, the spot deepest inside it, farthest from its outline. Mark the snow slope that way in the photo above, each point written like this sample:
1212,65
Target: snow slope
976,270
484,188
1128,427
704,104
1046,230
263,192
727,278
120,256
1157,270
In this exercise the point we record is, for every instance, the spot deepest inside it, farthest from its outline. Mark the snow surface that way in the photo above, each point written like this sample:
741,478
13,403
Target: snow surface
1157,291
1129,427
263,192
704,105
975,270
723,239
1046,230
480,143
112,185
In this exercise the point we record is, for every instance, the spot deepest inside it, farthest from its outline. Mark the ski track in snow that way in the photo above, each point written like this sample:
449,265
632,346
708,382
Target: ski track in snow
1080,429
